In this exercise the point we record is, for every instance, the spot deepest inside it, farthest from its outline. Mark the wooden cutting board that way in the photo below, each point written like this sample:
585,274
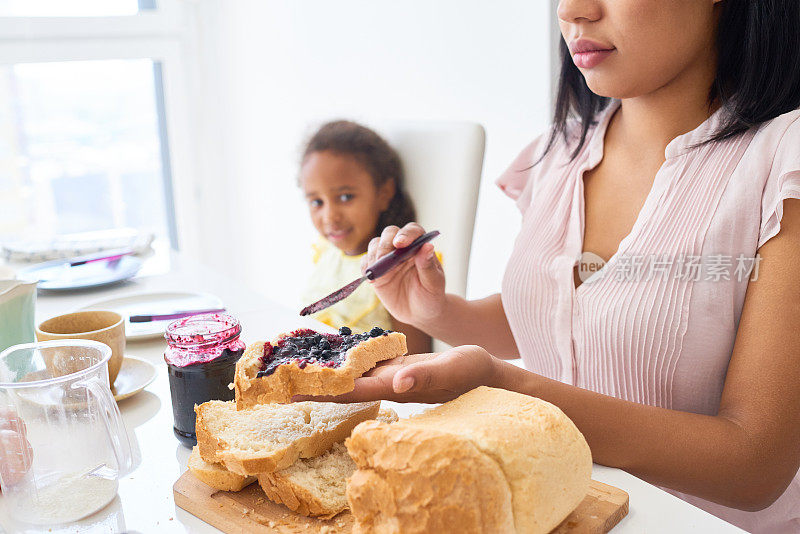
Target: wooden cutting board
250,511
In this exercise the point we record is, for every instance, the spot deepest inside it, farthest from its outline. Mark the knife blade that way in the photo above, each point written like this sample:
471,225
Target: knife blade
382,265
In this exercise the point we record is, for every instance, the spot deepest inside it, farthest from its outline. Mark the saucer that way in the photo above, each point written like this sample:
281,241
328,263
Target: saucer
134,375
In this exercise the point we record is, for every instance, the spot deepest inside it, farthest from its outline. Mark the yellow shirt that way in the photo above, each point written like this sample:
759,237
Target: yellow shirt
333,269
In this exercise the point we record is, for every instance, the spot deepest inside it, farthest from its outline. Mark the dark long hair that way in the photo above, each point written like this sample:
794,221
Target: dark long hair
377,157
757,79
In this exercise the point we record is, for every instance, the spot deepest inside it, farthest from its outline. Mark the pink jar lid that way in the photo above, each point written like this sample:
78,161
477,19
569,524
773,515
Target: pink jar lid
201,338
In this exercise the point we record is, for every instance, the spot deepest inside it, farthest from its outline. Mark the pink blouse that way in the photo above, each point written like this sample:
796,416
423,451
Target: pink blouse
656,325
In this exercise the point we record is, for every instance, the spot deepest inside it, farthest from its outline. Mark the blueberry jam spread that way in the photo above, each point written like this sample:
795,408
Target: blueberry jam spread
306,346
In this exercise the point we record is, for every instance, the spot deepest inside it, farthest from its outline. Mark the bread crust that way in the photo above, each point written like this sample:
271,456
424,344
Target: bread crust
295,496
405,479
215,448
416,480
215,475
289,379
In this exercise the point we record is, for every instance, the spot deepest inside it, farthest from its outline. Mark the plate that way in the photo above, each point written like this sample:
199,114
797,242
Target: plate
154,304
134,375
57,275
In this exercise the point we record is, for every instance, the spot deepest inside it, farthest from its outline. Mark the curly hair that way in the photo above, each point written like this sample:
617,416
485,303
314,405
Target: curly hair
377,157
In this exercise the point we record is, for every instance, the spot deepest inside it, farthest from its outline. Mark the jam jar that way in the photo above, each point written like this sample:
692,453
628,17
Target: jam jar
201,359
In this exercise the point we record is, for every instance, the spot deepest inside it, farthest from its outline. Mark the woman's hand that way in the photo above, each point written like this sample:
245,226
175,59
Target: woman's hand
413,292
428,378
16,455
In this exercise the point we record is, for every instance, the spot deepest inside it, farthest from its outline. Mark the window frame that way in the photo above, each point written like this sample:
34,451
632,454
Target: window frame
163,35
168,18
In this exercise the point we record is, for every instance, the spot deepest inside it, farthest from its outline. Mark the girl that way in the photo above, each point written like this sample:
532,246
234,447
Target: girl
353,182
675,158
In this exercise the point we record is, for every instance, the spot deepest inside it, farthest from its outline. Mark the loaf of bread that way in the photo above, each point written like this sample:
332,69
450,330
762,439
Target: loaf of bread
316,486
489,461
215,475
290,368
270,437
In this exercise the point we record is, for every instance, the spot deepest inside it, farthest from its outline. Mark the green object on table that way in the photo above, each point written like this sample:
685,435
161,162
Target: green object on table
17,306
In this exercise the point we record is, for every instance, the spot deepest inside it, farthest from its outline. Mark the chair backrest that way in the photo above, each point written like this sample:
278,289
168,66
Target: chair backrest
442,163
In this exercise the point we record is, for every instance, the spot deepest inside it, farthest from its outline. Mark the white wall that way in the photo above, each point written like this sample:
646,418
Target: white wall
273,70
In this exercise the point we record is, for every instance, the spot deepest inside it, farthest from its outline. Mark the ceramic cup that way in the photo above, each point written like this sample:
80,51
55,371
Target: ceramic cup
104,326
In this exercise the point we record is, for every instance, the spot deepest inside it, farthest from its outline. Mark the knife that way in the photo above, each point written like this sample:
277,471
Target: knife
108,255
168,316
382,265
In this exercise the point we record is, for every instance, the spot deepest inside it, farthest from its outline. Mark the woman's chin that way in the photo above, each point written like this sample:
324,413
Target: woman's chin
603,85
605,81
606,84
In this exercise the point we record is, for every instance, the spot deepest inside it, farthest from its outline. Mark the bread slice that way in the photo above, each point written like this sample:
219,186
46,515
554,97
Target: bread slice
269,437
215,475
316,486
313,486
519,462
291,379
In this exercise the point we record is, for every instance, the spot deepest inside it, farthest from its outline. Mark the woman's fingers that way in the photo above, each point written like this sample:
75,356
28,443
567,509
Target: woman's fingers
391,238
366,389
379,246
453,371
385,245
376,384
421,377
399,362
431,273
407,234
371,255
10,420
16,456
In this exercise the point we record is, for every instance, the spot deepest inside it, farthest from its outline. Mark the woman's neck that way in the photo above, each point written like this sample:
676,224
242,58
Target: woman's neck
651,121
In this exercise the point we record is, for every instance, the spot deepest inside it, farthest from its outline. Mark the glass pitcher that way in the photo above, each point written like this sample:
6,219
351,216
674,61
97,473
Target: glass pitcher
70,445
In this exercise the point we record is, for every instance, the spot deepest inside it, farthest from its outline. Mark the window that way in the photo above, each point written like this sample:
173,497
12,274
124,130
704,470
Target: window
82,148
71,8
85,125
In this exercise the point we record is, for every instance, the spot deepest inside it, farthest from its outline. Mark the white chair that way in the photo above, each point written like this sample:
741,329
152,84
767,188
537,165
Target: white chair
442,163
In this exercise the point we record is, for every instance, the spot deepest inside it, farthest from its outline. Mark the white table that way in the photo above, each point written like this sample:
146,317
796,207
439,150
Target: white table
144,503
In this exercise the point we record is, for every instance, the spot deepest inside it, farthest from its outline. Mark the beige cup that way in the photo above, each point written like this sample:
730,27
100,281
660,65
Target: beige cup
104,326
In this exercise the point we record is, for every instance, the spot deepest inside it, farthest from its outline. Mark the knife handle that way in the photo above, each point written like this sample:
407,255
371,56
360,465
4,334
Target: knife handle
386,263
107,255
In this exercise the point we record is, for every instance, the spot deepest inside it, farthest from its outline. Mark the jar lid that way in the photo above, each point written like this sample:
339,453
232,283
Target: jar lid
204,330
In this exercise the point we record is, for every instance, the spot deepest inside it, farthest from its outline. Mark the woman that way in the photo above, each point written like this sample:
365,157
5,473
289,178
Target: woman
679,359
